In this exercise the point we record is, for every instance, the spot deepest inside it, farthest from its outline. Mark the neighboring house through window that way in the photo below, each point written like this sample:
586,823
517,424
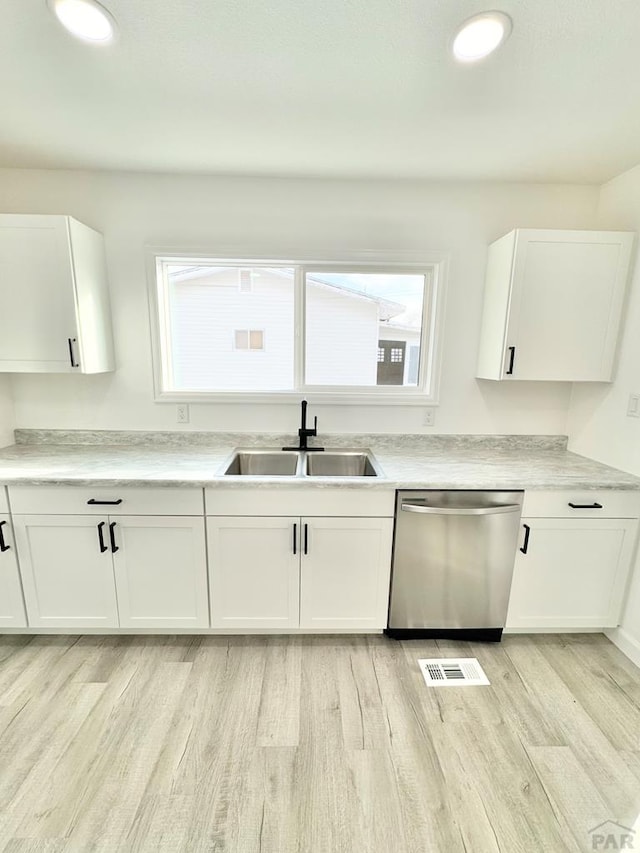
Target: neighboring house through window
356,331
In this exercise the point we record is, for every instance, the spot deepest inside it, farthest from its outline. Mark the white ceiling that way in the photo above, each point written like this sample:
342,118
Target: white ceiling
357,88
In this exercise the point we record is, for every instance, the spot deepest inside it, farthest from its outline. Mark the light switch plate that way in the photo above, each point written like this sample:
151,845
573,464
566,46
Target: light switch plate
633,409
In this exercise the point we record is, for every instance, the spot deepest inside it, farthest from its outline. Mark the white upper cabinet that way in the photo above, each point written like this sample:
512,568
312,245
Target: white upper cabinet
54,300
552,306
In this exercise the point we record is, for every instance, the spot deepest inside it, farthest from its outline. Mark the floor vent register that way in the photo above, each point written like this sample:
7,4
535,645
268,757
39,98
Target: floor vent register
453,672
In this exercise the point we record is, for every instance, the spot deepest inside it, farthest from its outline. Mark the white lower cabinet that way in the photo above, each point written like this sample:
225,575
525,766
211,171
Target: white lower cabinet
573,573
160,571
254,570
290,572
126,571
68,582
344,577
12,613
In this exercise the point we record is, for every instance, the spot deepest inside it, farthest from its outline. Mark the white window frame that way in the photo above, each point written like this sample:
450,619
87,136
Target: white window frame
433,267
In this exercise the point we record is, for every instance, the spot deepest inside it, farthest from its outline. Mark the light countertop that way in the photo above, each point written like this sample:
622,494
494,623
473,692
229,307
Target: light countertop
185,459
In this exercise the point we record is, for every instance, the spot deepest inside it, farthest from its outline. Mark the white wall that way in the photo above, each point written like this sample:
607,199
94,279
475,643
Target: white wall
6,413
598,422
289,215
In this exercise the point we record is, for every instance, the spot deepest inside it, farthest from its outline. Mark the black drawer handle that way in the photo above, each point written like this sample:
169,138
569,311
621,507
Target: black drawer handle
585,506
112,537
512,358
295,538
3,545
72,359
527,533
103,547
306,539
94,502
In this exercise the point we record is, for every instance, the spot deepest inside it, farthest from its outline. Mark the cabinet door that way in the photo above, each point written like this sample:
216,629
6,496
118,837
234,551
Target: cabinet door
254,572
67,581
345,571
161,571
12,614
36,280
573,574
566,302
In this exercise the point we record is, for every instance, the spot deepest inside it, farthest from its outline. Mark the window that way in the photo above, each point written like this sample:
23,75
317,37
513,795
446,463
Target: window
250,339
341,333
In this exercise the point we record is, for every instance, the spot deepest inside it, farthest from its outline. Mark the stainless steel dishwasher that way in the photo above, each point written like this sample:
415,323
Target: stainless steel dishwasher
453,560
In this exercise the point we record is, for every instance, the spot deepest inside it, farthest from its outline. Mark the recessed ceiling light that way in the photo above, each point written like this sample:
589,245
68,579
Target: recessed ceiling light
85,19
481,35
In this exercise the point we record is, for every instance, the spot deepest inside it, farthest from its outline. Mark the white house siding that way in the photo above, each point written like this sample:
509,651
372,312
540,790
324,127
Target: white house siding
342,334
341,338
205,314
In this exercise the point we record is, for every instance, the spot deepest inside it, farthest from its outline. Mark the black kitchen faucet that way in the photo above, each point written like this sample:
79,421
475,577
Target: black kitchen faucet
305,433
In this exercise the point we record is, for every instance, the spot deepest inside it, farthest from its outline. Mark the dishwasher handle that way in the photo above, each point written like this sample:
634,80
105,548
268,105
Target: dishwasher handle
407,506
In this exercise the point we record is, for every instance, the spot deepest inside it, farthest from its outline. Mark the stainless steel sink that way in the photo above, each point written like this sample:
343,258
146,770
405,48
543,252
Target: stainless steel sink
269,462
341,463
263,463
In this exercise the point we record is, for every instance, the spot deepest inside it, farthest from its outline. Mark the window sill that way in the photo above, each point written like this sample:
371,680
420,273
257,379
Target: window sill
331,398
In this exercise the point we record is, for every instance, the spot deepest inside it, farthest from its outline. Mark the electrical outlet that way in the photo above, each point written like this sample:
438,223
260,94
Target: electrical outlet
633,409
183,414
429,418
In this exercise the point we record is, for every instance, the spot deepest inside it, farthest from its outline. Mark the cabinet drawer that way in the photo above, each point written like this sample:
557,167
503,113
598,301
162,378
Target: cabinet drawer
300,501
612,504
75,500
4,505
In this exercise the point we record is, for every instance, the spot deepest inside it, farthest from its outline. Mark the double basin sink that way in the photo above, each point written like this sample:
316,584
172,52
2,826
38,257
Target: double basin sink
294,463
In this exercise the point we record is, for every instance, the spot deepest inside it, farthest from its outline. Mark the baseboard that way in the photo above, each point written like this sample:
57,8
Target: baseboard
627,644
201,632
557,629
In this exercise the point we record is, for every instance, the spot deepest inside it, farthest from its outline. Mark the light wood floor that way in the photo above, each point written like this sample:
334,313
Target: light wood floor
312,745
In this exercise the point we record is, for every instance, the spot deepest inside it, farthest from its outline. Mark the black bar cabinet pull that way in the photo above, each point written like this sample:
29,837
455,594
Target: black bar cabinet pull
295,538
512,358
72,359
3,545
94,502
306,538
112,537
525,544
103,547
585,506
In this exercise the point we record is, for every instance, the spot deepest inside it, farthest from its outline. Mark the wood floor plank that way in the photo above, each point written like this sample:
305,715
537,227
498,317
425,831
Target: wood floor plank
316,744
54,802
127,753
279,714
516,805
518,707
26,670
35,845
613,779
571,790
50,731
604,700
364,723
222,779
413,714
